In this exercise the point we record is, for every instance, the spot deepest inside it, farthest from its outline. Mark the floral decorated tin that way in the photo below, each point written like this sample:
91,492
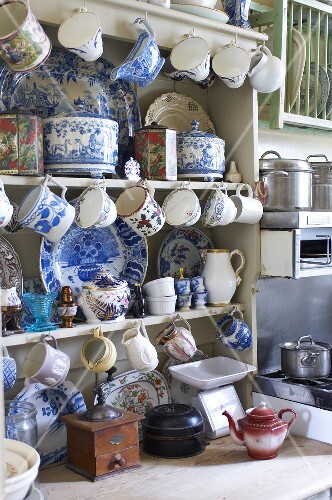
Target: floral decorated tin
21,144
155,150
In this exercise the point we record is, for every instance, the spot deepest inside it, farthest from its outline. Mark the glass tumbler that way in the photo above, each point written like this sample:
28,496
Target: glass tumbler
40,305
21,422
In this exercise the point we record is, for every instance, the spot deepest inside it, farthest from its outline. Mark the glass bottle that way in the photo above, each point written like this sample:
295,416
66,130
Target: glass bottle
139,305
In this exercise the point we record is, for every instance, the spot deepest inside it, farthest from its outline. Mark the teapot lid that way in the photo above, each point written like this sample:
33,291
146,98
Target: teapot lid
106,281
262,412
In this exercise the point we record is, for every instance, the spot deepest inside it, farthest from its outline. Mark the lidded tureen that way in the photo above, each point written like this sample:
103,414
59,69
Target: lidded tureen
104,298
200,154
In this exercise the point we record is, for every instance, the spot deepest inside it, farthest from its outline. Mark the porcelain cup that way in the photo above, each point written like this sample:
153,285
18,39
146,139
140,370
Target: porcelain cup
141,353
94,208
81,34
8,370
231,64
9,297
197,284
182,285
233,332
191,56
200,299
144,61
171,72
183,301
45,212
46,364
6,208
137,206
23,43
182,206
269,73
98,354
249,210
219,209
177,342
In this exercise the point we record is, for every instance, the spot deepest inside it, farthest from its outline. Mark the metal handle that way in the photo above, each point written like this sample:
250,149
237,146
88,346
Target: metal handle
276,172
328,252
298,346
317,156
271,151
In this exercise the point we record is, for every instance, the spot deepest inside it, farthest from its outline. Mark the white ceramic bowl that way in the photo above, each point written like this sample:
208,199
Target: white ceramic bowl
158,306
202,3
26,460
162,287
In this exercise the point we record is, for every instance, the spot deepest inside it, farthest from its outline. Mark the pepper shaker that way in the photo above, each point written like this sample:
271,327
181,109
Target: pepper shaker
67,308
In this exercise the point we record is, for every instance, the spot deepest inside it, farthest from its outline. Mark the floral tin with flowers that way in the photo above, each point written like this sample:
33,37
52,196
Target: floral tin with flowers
21,144
155,150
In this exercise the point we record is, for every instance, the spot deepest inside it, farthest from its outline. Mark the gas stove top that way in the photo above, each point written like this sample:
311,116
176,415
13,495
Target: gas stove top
313,392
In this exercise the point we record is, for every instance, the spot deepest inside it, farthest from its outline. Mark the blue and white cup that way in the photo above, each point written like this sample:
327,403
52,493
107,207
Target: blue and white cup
233,332
197,284
191,57
200,299
183,301
182,286
45,212
81,34
8,370
231,64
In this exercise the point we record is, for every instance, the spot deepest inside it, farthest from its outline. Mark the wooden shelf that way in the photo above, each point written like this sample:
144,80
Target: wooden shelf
107,326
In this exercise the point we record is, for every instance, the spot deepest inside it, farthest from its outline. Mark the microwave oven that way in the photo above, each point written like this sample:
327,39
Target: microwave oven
296,244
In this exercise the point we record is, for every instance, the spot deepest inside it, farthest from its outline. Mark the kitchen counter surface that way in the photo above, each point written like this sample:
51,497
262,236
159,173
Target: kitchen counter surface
223,471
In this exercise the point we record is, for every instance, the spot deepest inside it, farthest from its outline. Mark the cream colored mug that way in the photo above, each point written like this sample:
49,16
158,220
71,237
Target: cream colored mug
98,354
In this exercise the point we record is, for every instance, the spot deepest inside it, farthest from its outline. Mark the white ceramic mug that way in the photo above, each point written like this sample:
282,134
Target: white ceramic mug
249,210
182,206
268,74
191,56
219,209
137,206
231,64
141,353
94,208
6,209
45,212
81,34
46,364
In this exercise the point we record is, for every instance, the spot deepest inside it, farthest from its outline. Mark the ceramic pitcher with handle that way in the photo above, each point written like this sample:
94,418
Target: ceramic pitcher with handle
178,342
220,279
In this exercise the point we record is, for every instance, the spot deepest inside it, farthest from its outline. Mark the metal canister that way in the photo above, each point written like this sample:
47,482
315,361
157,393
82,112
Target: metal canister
21,143
321,183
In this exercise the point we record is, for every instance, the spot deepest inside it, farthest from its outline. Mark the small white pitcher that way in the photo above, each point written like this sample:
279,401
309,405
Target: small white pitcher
141,354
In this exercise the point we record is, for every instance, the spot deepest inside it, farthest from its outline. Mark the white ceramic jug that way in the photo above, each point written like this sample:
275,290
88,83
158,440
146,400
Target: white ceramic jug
141,354
219,276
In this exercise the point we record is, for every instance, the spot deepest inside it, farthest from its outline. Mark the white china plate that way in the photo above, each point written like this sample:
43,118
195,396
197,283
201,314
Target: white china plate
296,65
10,267
329,99
65,77
212,372
81,253
180,391
178,111
51,403
181,248
199,10
323,89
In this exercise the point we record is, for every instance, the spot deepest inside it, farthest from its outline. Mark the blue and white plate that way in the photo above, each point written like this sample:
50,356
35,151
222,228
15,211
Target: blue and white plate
181,248
52,403
64,77
81,253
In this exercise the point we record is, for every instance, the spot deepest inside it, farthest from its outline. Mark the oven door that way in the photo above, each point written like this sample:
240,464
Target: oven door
296,253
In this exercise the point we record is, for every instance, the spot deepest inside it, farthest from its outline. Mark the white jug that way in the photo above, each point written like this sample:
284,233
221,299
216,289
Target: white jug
219,276
141,354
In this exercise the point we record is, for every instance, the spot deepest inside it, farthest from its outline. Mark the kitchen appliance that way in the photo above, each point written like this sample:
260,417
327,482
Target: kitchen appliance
214,377
303,240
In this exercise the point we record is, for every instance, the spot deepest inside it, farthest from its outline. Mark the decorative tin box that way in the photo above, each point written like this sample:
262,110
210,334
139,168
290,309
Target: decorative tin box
21,143
155,150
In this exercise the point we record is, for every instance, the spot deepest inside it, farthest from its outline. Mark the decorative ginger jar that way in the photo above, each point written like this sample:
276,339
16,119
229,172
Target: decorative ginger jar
200,154
104,298
80,142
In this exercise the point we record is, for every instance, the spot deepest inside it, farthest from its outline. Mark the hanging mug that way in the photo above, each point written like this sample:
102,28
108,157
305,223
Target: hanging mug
233,332
177,342
98,354
141,354
8,370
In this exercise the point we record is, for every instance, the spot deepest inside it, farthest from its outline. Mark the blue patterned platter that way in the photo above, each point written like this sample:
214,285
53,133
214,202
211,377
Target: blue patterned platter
51,404
52,89
81,253
181,248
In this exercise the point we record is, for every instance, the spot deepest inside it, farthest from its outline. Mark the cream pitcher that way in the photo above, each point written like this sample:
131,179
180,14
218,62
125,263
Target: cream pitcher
219,276
141,354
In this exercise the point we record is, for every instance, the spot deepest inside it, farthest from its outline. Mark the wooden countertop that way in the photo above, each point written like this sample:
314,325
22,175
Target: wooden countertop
222,472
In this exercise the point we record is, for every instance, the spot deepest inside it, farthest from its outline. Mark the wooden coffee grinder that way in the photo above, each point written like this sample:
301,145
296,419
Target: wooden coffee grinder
102,441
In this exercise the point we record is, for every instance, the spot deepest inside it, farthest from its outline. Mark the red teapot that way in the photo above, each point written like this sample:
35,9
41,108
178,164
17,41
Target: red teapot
262,431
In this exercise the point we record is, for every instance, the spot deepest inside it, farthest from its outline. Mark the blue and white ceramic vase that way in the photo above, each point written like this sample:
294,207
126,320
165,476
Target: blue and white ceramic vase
238,12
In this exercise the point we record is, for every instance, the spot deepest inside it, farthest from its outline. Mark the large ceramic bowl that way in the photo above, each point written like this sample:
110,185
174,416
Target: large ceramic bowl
23,462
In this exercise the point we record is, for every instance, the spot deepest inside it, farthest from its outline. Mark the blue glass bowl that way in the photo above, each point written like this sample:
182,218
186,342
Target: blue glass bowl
40,305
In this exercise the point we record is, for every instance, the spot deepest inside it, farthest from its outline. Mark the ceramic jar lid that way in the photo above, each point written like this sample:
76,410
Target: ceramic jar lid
195,132
106,281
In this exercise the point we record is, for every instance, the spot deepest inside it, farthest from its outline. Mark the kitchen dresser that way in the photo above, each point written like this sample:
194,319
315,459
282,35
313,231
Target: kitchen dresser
234,113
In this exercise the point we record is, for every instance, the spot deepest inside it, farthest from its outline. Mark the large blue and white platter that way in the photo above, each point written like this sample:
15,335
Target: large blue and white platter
81,253
181,248
64,78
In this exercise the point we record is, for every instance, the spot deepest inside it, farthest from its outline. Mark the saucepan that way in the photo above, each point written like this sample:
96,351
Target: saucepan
305,358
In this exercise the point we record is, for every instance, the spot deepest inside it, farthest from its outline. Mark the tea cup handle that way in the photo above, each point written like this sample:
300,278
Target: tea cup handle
145,334
5,351
247,186
237,311
147,186
241,266
49,178
147,28
45,335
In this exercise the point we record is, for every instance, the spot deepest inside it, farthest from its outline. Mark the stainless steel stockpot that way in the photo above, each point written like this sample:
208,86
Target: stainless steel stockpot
321,183
305,358
285,185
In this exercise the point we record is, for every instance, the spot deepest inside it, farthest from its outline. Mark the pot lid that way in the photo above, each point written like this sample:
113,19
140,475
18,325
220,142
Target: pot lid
173,417
155,126
106,281
306,345
195,132
268,164
321,164
262,412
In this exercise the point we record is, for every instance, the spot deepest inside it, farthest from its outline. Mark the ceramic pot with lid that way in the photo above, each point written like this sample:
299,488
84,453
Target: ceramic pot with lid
200,154
285,184
173,431
305,358
321,183
80,142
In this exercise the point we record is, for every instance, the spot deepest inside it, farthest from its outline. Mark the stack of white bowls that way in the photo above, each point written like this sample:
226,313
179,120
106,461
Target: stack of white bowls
160,296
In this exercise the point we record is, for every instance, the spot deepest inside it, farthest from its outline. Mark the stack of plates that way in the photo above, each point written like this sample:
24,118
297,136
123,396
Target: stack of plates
199,10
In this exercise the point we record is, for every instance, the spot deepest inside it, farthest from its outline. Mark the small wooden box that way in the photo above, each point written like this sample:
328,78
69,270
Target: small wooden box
98,449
